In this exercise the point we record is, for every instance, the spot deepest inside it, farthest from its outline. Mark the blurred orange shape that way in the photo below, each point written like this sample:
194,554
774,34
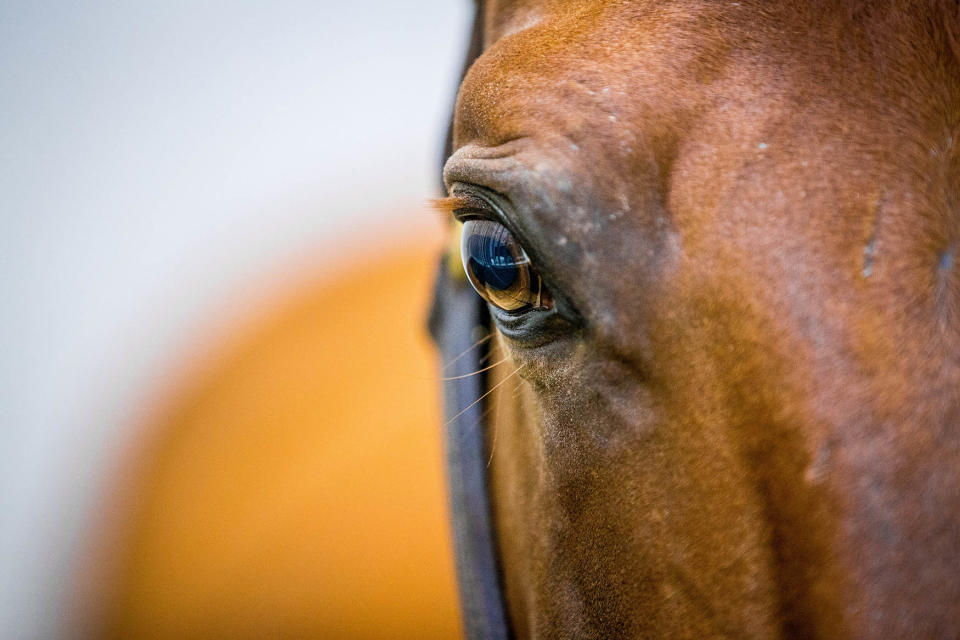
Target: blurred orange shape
294,487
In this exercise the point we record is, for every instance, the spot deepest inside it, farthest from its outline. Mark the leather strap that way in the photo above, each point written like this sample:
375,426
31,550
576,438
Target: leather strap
458,319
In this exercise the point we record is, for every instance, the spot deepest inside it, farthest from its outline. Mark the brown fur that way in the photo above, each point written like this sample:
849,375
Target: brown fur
754,206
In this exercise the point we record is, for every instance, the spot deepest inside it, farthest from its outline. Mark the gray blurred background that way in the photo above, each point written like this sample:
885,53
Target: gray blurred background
154,158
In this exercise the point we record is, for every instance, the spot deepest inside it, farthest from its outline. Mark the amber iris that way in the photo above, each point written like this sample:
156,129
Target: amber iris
499,269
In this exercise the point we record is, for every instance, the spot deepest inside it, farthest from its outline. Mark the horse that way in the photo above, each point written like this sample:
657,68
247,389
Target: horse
716,246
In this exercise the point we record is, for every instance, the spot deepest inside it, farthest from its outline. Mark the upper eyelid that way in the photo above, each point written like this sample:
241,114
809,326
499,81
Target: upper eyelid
470,212
470,202
481,200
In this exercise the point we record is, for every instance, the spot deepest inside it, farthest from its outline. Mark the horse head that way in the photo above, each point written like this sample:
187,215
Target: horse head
718,245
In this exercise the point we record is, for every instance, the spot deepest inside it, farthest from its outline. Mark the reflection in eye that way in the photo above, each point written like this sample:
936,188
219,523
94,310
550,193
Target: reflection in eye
499,269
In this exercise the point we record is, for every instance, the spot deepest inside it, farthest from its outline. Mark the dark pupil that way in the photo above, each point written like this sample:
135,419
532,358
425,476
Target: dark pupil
491,261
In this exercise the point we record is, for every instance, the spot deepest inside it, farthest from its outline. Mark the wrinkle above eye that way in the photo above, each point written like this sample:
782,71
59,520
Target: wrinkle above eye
540,176
478,164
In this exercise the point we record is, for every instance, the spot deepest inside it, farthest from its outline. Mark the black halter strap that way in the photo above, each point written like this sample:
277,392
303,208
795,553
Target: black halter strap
458,320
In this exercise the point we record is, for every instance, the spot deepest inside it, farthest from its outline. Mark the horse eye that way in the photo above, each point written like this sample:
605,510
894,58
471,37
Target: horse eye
499,269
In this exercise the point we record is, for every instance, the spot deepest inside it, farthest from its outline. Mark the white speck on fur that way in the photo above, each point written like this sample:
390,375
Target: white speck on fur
762,145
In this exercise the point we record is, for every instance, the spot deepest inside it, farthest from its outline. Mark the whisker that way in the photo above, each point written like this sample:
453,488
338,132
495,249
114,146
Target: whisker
468,350
483,416
496,425
487,368
489,391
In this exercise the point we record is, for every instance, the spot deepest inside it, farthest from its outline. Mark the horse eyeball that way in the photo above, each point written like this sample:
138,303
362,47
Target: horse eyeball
499,269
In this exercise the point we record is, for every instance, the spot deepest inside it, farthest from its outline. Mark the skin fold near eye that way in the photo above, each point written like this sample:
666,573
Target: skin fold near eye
499,269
